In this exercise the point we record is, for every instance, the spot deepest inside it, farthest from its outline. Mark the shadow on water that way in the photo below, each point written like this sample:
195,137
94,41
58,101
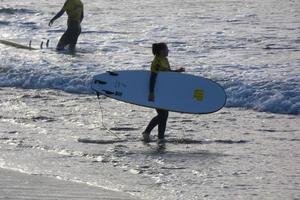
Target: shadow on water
178,154
123,129
173,147
169,151
191,141
171,141
104,141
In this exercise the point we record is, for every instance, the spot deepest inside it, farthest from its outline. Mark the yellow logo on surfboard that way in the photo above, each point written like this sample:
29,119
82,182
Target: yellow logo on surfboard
199,94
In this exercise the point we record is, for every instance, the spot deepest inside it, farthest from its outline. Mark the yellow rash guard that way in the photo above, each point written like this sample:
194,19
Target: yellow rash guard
160,64
74,9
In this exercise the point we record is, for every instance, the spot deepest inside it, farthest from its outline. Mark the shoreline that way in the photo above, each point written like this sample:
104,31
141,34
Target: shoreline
17,185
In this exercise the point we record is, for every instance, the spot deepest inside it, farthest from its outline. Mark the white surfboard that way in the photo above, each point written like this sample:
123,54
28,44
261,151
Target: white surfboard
43,45
26,44
177,92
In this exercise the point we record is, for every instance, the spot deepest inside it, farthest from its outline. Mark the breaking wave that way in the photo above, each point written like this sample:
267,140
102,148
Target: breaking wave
267,96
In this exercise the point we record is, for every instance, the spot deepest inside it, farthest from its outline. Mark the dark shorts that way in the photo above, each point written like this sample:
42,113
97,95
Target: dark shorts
70,36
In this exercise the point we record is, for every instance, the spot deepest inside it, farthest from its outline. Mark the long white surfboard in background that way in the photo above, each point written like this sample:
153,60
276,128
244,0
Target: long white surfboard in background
26,44
177,92
45,45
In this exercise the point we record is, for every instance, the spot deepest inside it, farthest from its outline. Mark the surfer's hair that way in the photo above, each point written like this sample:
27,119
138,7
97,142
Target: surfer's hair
157,47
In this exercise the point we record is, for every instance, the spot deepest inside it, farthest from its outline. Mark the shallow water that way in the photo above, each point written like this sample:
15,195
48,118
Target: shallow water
230,154
251,48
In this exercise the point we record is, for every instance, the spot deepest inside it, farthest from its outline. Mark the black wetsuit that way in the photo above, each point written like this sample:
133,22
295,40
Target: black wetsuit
161,121
74,10
162,115
71,35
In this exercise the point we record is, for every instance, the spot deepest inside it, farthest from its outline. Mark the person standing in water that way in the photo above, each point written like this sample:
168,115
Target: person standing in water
74,10
159,64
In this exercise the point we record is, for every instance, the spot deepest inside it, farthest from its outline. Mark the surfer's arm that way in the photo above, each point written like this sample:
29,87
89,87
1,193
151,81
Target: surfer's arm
58,15
153,77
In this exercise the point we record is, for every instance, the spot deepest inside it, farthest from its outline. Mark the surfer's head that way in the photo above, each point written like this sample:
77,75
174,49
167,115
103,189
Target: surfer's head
160,49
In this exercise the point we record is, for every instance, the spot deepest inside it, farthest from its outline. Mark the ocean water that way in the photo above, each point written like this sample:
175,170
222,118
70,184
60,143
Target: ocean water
251,48
51,124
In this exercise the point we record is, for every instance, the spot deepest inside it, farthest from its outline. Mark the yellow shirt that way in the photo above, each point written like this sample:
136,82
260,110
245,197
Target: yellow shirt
74,9
160,64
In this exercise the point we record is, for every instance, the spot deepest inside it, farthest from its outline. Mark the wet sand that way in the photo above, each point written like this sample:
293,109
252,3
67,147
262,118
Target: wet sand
232,154
15,185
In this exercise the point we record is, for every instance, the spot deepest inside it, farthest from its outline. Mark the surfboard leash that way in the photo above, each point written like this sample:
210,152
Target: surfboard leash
102,119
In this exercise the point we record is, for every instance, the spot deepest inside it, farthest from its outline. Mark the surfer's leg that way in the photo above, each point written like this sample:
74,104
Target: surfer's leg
70,37
161,121
146,134
75,32
154,122
63,42
163,117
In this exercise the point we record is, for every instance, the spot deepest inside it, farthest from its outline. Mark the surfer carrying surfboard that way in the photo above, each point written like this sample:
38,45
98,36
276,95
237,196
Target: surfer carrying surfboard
74,10
159,63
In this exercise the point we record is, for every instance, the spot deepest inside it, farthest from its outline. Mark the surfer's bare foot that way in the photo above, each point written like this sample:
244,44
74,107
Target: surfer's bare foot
146,137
